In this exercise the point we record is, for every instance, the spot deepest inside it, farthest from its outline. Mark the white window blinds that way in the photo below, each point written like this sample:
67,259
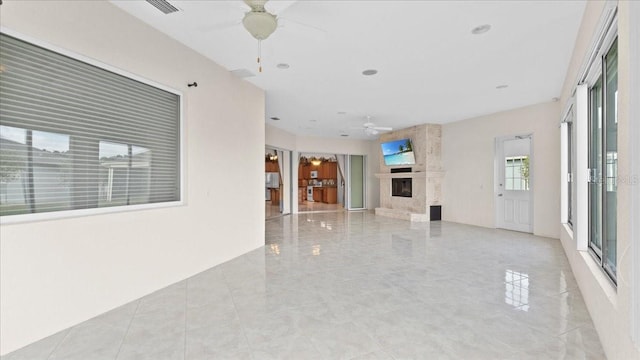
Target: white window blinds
76,136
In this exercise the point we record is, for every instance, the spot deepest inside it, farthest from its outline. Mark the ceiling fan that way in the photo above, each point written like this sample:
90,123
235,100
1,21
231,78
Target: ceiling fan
261,23
371,129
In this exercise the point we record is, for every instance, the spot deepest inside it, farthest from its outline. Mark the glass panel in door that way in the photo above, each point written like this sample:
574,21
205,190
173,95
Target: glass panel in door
356,181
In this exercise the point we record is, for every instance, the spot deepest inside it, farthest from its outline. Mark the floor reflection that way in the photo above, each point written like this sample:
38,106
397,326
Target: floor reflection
516,289
352,285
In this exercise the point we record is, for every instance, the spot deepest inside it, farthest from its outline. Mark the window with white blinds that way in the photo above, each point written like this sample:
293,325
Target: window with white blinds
76,136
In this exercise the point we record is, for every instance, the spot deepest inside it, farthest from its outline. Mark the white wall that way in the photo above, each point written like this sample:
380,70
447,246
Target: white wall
468,157
610,307
279,138
310,144
55,274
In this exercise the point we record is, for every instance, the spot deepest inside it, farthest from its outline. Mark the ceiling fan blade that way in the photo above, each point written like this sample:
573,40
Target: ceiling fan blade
220,26
382,128
288,23
277,7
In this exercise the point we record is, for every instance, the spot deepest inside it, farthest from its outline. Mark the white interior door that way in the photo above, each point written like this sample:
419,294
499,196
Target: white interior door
513,183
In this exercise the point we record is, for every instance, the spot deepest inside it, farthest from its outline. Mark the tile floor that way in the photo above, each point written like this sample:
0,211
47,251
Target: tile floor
271,211
318,206
350,285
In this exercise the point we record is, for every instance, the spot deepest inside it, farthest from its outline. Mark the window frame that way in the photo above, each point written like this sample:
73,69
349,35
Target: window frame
596,73
569,163
62,214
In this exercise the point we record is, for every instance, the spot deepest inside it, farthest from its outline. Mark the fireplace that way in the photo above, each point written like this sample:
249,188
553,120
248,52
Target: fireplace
401,187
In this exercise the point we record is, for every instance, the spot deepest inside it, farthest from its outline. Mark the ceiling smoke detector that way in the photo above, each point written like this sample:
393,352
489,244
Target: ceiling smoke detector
481,29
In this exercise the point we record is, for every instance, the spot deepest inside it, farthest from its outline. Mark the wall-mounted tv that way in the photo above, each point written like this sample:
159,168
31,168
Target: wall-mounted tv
398,152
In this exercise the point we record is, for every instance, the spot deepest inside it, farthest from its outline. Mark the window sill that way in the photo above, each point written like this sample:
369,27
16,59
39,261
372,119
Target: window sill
67,214
568,229
606,285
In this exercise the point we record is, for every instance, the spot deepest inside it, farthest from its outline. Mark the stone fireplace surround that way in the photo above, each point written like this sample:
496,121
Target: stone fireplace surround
426,175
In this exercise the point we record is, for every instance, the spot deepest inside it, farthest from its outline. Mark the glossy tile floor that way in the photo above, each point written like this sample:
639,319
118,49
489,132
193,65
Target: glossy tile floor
348,285
270,210
318,206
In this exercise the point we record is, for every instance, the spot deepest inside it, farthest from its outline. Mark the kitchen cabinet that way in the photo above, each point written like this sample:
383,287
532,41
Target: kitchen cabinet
326,170
275,196
306,170
320,170
330,170
317,194
271,166
330,195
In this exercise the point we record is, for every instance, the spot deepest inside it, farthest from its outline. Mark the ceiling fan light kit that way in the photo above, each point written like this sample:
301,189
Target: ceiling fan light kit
260,24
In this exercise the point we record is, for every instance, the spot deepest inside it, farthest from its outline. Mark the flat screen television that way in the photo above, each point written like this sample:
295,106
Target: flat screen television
398,152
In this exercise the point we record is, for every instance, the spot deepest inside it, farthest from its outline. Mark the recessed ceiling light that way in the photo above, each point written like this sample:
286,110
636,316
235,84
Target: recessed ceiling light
342,112
369,72
313,120
555,99
282,66
481,29
504,86
274,118
344,135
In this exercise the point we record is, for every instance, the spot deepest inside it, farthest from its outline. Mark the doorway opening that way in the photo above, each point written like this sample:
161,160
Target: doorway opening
277,170
513,183
321,182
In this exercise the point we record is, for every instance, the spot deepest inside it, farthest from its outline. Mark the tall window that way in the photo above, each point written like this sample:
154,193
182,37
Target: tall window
603,162
75,136
571,166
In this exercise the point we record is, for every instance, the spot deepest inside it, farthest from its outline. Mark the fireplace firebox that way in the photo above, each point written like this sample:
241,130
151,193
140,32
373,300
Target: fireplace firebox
401,187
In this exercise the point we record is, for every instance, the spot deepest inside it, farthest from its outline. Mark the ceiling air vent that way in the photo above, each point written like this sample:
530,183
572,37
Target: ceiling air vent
242,73
163,6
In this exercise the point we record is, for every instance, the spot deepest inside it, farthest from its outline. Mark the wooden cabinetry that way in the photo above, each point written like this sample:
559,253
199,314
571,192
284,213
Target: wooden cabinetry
330,195
326,170
329,170
317,194
271,166
320,170
275,196
305,170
